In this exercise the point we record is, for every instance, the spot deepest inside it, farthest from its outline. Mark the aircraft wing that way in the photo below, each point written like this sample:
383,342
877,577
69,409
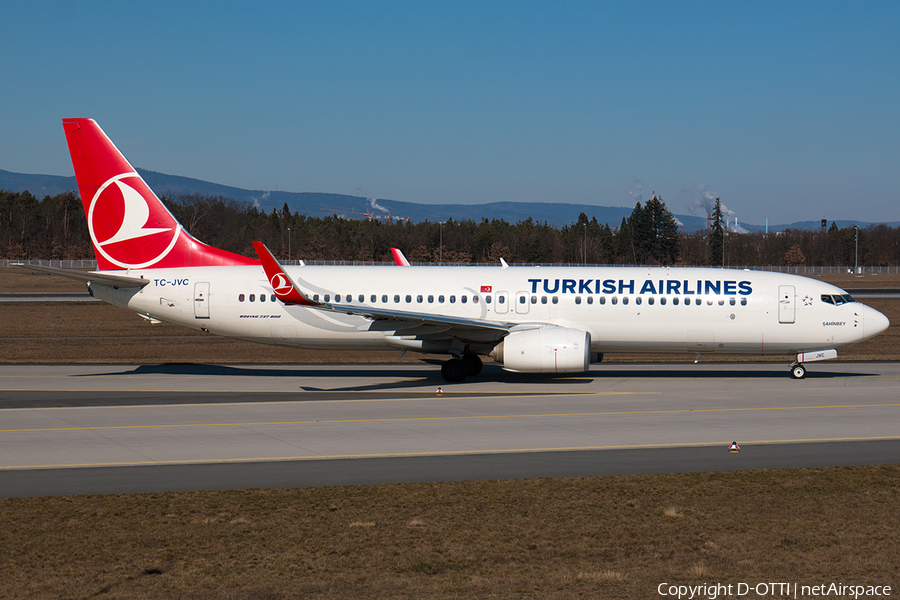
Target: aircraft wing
116,281
287,290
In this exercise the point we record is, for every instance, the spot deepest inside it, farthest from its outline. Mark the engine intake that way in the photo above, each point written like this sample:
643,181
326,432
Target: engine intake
545,350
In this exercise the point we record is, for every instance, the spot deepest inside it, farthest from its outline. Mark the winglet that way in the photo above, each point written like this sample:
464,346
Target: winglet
399,259
282,284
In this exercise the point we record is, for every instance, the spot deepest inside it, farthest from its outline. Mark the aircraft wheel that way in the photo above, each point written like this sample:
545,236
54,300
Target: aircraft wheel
798,371
472,363
453,371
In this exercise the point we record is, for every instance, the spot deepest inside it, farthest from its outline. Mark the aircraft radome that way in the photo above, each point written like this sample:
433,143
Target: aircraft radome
529,319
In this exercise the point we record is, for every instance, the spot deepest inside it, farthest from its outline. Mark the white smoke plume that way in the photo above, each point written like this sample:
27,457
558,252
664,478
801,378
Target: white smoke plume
256,201
638,194
377,206
705,203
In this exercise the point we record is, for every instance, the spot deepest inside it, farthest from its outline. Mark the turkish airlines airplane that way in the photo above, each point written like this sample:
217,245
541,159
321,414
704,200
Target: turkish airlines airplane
529,319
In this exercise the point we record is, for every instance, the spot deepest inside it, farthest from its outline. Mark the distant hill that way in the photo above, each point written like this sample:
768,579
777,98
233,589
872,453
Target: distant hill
320,204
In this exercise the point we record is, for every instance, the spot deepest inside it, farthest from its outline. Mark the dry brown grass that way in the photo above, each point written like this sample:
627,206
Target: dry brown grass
603,537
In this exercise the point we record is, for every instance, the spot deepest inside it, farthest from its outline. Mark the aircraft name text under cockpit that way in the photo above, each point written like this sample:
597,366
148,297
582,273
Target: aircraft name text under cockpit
686,287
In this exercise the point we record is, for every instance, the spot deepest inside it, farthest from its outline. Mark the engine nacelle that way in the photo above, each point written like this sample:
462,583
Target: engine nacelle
545,350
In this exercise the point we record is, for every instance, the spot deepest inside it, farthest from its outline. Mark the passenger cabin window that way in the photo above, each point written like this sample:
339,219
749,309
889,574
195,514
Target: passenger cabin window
651,300
500,299
396,298
419,298
240,297
543,299
272,298
675,301
590,299
315,297
487,299
522,300
384,298
555,300
625,300
698,301
327,298
441,299
474,299
577,299
262,297
252,297
372,298
363,299
408,298
463,299
430,298
602,299
452,299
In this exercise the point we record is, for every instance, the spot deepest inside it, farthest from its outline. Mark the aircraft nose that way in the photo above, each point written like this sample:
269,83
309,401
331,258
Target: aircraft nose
874,322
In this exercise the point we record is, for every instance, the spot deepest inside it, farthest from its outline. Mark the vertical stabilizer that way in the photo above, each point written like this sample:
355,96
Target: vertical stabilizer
130,227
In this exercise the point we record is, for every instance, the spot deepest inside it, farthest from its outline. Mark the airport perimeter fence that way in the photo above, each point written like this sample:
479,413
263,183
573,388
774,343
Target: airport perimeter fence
89,265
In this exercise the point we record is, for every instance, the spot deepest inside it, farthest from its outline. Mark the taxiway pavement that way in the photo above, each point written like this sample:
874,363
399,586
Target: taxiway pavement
67,429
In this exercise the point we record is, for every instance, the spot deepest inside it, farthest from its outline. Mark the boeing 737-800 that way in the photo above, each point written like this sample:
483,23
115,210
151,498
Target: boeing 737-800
529,319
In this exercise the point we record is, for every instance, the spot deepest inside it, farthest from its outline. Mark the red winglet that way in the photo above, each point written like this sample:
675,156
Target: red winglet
284,287
399,259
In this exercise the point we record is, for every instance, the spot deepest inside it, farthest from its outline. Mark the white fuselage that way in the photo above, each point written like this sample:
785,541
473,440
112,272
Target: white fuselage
623,309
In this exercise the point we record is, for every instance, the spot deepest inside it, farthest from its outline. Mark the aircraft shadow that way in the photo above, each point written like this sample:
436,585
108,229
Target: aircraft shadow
416,379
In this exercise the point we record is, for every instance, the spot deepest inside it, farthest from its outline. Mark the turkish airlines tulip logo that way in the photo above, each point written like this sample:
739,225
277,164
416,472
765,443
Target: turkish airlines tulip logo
122,227
280,284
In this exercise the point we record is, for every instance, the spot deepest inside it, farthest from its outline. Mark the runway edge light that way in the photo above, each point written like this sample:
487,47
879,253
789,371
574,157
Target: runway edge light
734,447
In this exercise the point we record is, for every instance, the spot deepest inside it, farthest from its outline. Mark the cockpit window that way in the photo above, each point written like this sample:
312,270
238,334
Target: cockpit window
837,299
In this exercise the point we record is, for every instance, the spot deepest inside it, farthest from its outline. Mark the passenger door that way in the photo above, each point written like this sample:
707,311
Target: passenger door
786,304
201,300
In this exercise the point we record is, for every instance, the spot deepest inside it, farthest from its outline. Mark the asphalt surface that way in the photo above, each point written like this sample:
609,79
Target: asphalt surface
67,429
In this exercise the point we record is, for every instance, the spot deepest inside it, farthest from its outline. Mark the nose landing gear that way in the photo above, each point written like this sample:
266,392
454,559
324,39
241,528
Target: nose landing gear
798,371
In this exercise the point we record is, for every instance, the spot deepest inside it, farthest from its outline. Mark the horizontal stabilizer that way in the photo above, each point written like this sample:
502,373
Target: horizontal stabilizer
116,281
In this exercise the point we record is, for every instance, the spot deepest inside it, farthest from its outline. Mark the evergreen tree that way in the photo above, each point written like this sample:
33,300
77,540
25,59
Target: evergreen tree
663,243
716,238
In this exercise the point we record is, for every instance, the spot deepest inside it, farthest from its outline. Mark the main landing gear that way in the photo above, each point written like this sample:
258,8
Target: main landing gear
798,371
457,369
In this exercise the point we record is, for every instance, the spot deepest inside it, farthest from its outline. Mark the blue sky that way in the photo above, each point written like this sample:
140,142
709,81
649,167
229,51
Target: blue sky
785,110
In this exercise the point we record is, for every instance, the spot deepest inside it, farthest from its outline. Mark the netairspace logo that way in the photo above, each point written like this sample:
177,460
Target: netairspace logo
712,591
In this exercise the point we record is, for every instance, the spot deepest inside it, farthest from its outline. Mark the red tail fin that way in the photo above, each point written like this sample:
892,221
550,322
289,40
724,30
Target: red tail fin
130,228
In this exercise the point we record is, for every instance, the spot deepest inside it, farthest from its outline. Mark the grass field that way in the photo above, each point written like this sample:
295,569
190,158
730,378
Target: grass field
600,537
603,537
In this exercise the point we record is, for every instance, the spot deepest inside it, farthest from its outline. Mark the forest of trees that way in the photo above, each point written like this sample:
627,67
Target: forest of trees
55,228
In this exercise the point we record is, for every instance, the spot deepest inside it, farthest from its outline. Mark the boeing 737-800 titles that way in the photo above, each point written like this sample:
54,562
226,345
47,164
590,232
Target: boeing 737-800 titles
529,319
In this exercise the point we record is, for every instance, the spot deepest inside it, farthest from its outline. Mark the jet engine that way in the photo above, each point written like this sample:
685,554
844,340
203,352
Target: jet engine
545,350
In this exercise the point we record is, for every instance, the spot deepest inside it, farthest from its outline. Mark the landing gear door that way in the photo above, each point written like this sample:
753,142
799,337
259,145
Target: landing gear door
201,300
786,304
